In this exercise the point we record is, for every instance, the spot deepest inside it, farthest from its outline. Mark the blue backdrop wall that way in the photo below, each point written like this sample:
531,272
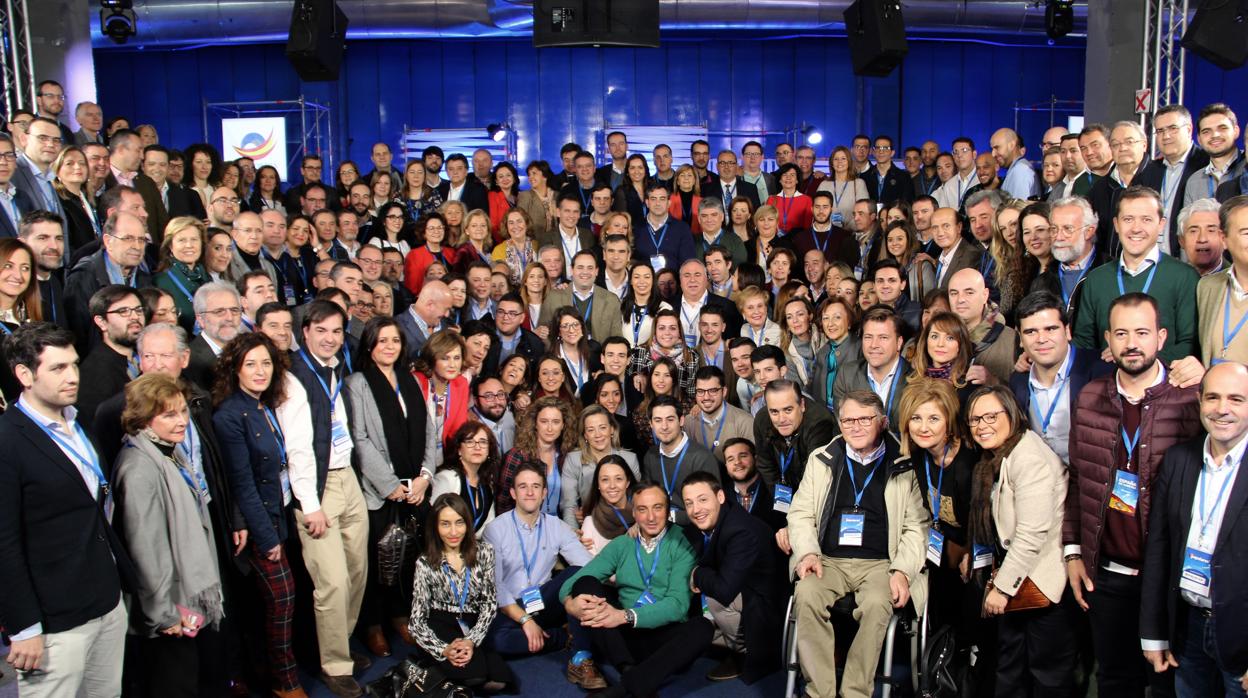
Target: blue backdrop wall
944,89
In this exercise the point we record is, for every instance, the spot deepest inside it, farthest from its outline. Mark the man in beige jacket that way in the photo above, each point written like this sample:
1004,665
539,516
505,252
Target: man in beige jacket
857,526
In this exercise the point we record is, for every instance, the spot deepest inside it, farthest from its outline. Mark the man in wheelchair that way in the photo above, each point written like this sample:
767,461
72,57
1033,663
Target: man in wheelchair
857,526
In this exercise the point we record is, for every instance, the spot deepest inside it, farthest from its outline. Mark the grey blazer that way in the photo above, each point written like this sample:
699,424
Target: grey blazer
238,268
369,436
576,479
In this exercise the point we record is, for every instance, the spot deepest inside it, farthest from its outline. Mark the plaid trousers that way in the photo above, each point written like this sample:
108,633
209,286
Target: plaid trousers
277,586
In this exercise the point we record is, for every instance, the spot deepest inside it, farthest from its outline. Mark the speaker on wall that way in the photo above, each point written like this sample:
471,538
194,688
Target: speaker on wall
596,23
318,35
1218,33
877,36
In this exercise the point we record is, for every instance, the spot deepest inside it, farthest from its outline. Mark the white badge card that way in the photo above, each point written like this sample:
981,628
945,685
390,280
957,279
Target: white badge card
1197,573
851,529
531,599
783,499
982,556
935,546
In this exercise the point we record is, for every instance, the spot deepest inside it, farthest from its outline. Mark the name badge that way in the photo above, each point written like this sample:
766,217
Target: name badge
645,599
851,529
658,261
284,478
671,514
531,599
1197,573
783,498
706,609
982,556
288,292
464,628
339,434
858,271
1126,493
837,218
935,546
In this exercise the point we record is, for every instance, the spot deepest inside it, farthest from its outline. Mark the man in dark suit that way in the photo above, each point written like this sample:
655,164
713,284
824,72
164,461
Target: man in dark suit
1194,598
599,308
219,312
886,183
33,174
125,157
955,253
14,203
461,187
695,295
117,313
167,200
882,369
512,337
118,262
1180,158
426,316
44,233
310,168
580,185
728,185
740,574
749,491
613,173
62,564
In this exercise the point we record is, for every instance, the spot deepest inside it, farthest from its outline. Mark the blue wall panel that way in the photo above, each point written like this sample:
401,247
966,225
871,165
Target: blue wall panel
551,96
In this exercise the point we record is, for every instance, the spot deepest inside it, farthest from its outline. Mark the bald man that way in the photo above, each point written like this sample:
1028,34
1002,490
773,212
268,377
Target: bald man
425,316
1020,177
994,344
954,252
247,232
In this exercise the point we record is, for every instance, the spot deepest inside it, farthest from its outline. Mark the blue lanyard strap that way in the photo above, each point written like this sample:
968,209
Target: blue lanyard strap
528,562
620,515
460,595
662,234
853,481
1031,394
723,419
1147,282
639,316
276,430
333,396
892,388
1061,281
1130,443
1228,334
785,460
646,579
90,460
1207,517
670,484
940,482
473,492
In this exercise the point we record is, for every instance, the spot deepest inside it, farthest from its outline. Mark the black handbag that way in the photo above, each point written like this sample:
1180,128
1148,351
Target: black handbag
415,679
397,546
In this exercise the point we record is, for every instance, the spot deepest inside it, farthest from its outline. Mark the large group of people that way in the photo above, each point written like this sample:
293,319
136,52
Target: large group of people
624,415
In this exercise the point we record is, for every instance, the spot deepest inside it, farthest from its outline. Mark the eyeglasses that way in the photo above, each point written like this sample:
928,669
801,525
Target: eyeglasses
491,397
847,422
364,305
707,392
509,313
128,239
8,157
1170,130
883,148
988,418
53,95
231,200
476,443
54,140
135,311
1129,142
367,262
222,312
961,151
721,163
394,216
148,358
570,326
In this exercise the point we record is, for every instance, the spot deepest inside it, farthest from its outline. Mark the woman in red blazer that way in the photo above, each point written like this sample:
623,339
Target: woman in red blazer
685,198
502,197
439,371
792,206
431,235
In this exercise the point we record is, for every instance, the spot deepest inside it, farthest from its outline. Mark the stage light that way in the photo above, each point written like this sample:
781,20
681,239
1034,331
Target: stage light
1059,18
117,20
812,135
498,132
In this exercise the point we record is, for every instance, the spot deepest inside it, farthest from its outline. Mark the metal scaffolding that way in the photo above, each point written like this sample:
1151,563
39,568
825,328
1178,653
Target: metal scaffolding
310,120
1163,59
16,62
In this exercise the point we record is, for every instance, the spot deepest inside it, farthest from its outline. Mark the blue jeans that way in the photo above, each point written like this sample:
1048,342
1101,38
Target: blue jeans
1200,673
509,638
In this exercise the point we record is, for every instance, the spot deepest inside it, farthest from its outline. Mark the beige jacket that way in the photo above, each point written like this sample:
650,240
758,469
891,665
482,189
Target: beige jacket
908,519
1027,506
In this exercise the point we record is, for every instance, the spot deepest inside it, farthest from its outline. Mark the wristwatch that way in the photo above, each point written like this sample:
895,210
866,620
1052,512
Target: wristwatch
630,617
525,618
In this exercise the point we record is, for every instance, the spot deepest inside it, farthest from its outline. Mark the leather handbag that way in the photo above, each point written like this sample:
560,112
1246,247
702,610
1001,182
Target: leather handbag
1027,597
415,679
396,547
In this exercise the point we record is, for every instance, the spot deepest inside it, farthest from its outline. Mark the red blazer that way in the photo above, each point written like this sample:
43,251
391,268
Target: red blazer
418,261
460,398
499,206
675,210
795,213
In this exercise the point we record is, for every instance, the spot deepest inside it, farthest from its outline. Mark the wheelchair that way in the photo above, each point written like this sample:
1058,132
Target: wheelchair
903,627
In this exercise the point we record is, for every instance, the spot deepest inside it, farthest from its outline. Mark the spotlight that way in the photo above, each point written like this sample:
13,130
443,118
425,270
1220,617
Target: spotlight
117,19
812,135
1059,18
498,132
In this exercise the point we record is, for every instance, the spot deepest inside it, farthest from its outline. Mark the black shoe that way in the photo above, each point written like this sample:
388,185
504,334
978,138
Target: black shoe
342,686
359,662
726,670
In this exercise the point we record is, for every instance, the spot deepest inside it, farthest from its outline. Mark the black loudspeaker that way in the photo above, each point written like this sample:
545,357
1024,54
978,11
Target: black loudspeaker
318,35
877,36
596,23
1219,33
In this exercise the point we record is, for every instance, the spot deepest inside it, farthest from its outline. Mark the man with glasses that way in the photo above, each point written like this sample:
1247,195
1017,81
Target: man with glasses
310,169
752,170
728,186
223,208
857,526
512,337
392,273
19,125
247,231
1129,145
119,262
14,203
580,188
50,104
1180,158
952,192
117,314
34,173
783,155
714,422
218,312
887,184
1072,228
489,406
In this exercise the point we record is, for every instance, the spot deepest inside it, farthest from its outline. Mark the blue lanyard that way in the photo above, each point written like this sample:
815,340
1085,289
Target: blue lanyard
641,565
472,503
785,460
853,482
4,327
1061,281
333,397
892,388
784,215
831,378
528,562
1147,282
723,419
551,505
1031,394
173,276
1206,519
460,595
706,246
589,308
823,246
670,484
91,460
276,430
570,253
578,374
620,515
1130,443
940,482
757,338
638,318
836,197
719,356
879,186
658,242
1228,335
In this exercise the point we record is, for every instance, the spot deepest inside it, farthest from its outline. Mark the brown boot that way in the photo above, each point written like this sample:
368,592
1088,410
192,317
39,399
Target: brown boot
405,634
342,686
375,641
586,675
296,692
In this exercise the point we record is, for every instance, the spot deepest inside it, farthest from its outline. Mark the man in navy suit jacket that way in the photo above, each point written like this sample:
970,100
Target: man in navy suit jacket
14,202
728,185
659,239
1194,596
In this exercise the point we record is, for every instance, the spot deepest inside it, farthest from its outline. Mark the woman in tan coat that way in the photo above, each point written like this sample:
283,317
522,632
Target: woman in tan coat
1017,500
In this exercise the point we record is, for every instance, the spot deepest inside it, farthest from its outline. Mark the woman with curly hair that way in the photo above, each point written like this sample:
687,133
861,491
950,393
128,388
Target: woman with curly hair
503,197
390,231
518,250
203,174
541,440
470,471
433,245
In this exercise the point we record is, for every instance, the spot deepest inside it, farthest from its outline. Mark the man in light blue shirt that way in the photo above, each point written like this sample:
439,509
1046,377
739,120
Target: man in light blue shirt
1020,177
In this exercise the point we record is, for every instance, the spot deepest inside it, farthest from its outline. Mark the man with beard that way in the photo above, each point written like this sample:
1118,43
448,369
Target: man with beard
432,157
1125,423
1217,132
489,406
219,312
44,233
118,316
1007,153
836,243
748,489
994,344
926,182
714,422
985,175
1073,227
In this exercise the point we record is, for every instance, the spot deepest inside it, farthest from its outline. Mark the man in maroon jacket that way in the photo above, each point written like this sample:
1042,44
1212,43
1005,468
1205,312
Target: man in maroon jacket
1122,426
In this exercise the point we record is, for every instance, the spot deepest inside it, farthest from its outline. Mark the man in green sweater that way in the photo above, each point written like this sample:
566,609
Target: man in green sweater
642,624
1139,223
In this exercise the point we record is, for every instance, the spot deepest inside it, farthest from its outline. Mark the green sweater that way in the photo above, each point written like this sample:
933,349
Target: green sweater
1174,288
670,586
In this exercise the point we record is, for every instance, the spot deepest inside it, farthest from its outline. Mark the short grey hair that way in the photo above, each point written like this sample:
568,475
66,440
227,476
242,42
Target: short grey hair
1198,206
211,288
179,335
992,196
1134,126
1090,219
707,204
